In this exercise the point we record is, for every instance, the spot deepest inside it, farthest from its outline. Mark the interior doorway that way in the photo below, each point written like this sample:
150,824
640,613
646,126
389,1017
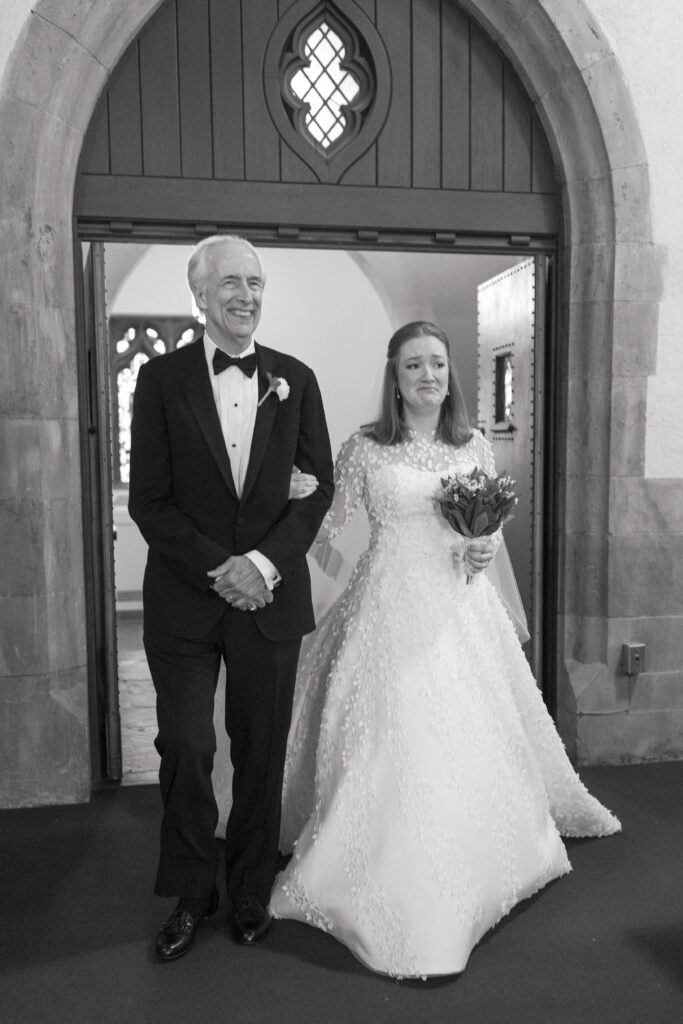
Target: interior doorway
335,309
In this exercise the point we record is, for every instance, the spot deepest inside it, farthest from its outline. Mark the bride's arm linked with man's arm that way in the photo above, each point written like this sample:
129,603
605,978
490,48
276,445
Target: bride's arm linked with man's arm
330,561
348,494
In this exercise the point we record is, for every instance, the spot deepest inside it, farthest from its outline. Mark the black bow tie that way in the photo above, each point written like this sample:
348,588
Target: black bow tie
221,361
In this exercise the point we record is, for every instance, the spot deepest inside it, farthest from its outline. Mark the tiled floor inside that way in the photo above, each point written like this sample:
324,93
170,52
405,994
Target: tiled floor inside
136,703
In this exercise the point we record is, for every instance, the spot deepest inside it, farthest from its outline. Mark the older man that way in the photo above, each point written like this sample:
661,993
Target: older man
217,428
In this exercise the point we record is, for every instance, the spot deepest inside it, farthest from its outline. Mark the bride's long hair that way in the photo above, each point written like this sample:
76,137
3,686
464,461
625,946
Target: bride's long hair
389,427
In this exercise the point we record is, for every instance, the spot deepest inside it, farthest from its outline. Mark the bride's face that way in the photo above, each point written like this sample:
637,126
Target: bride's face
422,374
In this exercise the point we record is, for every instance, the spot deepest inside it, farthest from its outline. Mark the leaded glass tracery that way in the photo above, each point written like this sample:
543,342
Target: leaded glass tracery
327,80
327,84
133,341
324,85
126,380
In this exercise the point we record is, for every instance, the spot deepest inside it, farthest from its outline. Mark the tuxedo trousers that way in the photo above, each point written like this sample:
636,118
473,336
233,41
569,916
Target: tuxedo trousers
260,677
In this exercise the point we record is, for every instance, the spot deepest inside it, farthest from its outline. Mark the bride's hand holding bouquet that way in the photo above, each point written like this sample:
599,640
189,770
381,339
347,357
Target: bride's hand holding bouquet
476,505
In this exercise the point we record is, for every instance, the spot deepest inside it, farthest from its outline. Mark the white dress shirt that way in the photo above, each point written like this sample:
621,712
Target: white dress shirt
236,398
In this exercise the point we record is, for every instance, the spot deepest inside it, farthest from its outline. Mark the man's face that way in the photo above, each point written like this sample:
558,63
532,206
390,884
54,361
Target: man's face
229,293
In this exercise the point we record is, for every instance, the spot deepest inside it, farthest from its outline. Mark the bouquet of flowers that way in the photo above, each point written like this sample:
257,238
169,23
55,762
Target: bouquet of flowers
475,504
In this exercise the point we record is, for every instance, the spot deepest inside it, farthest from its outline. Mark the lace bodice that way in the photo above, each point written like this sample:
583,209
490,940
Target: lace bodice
397,483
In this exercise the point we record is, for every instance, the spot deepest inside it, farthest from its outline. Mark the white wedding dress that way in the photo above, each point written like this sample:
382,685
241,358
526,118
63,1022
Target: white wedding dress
425,785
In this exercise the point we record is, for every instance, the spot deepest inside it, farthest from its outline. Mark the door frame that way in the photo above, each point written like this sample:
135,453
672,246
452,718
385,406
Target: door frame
106,756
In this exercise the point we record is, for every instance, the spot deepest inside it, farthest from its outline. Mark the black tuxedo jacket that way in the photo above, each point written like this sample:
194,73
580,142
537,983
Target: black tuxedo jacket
183,497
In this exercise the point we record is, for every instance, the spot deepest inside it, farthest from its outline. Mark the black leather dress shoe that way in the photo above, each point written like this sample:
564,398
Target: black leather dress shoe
250,920
177,935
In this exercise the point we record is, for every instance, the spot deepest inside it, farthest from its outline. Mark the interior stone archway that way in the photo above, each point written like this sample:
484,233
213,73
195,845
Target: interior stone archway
610,285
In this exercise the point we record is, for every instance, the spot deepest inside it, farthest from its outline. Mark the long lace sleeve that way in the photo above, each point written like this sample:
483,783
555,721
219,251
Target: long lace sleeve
349,485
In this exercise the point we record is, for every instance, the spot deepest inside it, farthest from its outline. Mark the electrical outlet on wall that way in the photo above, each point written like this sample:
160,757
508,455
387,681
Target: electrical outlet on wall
633,658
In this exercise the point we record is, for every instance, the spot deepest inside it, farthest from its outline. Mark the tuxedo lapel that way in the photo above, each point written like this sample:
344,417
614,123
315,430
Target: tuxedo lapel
197,388
265,416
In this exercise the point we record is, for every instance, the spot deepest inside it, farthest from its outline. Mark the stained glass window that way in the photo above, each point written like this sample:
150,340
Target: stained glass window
133,342
126,380
324,85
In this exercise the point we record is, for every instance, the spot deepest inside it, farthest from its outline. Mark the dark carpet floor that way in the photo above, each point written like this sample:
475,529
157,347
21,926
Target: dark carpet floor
603,945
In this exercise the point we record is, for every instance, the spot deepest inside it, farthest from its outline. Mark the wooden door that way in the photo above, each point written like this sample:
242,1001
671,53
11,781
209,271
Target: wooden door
95,422
199,128
510,335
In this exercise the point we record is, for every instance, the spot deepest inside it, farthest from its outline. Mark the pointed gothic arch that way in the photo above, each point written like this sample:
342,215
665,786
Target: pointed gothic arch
610,286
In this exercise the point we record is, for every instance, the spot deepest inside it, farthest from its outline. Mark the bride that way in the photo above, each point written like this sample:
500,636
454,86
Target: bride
425,785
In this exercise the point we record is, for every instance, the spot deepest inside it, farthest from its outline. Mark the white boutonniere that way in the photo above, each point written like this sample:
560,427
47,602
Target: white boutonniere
276,386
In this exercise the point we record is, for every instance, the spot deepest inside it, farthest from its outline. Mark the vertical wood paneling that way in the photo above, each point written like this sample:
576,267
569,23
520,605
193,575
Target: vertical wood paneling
542,168
426,63
363,171
368,6
227,92
517,135
159,92
95,152
125,116
261,141
194,80
486,122
394,144
292,167
187,100
455,114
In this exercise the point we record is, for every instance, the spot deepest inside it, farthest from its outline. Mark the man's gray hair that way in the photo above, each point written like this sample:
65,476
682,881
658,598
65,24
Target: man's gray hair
197,260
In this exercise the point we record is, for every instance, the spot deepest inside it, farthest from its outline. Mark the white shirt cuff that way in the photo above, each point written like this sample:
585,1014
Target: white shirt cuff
265,567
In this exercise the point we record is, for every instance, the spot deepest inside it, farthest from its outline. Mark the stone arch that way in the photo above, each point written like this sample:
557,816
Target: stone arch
609,268
610,286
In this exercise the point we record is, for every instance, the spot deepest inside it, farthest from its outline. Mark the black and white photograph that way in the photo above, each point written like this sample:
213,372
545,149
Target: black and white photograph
341,512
